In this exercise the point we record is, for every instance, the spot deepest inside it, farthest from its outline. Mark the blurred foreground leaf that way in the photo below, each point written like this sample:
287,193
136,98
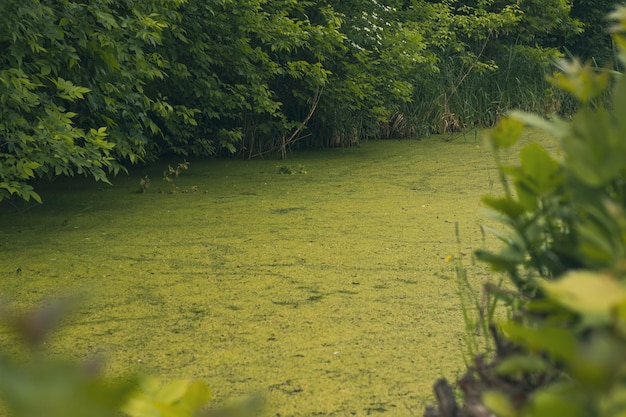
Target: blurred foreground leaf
593,295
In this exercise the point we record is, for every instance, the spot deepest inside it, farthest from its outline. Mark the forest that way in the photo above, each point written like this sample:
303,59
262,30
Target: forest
91,88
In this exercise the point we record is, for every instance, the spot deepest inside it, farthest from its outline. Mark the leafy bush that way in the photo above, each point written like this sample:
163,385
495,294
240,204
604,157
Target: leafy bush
91,88
563,352
564,214
72,98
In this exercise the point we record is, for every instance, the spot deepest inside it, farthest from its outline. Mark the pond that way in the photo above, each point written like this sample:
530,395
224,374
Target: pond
325,282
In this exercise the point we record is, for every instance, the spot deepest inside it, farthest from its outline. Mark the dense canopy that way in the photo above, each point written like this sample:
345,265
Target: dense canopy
91,87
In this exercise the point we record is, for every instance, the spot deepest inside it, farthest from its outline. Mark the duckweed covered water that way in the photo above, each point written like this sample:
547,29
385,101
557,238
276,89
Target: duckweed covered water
328,291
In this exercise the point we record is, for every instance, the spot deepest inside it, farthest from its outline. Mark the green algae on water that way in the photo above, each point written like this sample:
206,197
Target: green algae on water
329,290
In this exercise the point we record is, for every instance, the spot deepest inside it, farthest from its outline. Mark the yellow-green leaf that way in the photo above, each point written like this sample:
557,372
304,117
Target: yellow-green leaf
515,364
582,81
499,404
556,341
554,126
556,400
591,294
197,395
505,205
539,166
506,133
173,391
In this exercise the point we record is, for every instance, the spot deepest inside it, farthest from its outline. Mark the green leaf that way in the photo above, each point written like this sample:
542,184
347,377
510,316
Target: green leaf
197,395
555,126
556,341
539,166
53,388
600,235
597,363
498,403
595,149
583,82
516,364
172,391
174,399
506,133
68,90
504,205
557,400
504,261
594,295
615,403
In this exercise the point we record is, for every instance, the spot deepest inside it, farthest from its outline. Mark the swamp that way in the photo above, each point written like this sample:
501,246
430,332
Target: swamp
326,282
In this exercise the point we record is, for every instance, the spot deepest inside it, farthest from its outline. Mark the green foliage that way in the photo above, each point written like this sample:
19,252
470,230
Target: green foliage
490,57
561,211
175,399
565,255
581,339
89,89
371,75
247,72
593,43
71,89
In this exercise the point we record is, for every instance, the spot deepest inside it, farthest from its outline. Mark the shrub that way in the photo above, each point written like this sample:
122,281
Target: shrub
563,352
